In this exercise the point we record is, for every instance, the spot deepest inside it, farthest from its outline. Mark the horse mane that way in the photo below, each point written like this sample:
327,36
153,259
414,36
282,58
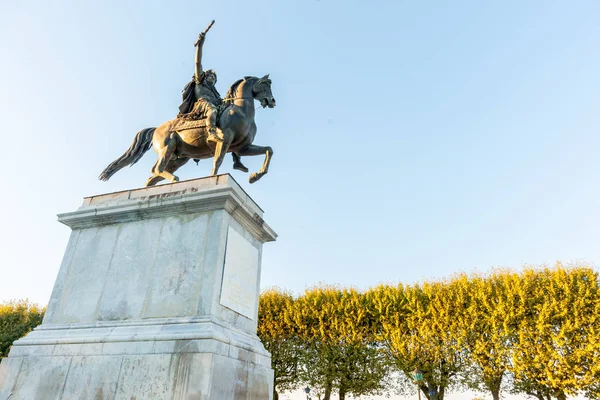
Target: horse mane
231,92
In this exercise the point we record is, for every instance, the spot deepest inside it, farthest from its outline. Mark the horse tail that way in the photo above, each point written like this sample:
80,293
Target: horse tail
141,144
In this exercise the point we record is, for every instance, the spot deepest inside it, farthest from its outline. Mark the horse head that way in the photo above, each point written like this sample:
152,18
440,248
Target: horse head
261,91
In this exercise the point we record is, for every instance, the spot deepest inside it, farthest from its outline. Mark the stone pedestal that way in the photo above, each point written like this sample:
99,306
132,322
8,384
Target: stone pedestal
156,298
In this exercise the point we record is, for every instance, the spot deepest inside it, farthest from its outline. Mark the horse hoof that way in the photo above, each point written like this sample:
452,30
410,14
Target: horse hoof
253,178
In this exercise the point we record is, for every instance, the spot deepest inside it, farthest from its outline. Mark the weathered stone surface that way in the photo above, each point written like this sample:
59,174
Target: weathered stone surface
136,310
94,377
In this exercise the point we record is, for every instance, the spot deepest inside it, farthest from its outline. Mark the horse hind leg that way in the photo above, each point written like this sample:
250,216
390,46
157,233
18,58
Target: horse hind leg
153,180
165,148
156,176
171,167
165,153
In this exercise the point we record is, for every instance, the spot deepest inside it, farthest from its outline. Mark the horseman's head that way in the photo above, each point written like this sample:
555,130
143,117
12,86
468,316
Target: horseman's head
211,77
262,92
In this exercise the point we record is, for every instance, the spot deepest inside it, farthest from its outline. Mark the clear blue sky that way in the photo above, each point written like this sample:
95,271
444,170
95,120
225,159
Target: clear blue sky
412,139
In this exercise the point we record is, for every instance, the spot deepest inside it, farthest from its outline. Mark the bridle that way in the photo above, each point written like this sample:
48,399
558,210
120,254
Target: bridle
244,98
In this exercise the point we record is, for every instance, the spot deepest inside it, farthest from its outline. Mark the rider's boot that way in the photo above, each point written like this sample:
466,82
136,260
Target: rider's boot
214,134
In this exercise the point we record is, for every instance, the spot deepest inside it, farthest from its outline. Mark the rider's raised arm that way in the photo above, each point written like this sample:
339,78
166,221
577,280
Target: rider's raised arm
198,72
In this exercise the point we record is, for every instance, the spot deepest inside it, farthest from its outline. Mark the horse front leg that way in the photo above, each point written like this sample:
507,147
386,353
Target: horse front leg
221,149
253,150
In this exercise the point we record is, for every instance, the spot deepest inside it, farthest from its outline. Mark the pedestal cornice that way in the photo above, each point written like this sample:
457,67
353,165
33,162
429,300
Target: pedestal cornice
198,195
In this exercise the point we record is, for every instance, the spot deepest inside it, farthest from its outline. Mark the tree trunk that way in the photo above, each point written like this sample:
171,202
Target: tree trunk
440,393
541,396
342,393
493,384
561,396
424,390
536,394
328,387
275,394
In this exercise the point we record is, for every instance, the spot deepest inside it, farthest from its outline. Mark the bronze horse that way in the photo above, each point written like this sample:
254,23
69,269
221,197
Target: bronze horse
176,147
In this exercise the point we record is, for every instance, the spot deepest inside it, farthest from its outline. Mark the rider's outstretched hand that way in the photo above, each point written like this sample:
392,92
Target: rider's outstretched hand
200,40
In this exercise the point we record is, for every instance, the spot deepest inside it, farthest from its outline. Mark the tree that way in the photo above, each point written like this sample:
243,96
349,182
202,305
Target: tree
553,353
421,326
277,333
591,366
340,351
17,318
490,321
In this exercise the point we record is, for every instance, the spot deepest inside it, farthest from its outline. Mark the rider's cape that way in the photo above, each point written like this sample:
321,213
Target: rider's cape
188,97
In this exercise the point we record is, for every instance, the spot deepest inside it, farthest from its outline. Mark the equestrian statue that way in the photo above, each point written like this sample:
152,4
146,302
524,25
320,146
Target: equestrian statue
206,126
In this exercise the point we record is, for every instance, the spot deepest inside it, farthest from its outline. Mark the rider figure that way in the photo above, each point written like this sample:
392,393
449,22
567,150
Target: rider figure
200,97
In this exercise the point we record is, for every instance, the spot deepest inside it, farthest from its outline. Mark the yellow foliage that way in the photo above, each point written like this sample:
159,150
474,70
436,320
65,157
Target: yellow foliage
17,318
276,331
541,326
555,348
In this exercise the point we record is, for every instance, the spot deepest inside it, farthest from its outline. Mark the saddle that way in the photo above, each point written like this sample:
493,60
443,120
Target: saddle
194,119
181,124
